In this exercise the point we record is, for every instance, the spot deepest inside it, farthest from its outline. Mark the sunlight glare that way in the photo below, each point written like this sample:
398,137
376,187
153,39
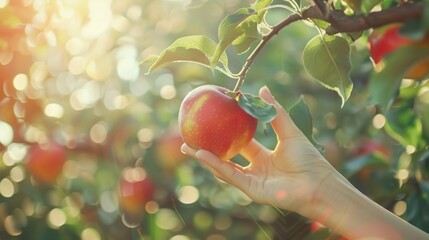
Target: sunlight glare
4,3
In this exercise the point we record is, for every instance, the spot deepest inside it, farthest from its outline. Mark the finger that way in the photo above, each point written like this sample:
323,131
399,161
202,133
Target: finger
283,125
225,170
254,151
192,152
188,150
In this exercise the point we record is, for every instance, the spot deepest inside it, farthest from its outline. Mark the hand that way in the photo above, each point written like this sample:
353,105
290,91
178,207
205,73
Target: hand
287,177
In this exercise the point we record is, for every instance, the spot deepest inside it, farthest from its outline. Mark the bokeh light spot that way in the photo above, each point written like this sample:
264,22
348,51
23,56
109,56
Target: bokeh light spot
152,207
17,152
168,92
402,174
400,208
6,135
222,222
145,135
6,188
134,174
56,218
90,234
10,226
20,82
167,219
180,237
188,194
108,201
379,121
54,110
98,132
74,46
17,174
77,65
4,3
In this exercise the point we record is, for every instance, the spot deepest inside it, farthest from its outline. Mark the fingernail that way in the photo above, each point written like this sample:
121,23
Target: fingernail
268,96
185,149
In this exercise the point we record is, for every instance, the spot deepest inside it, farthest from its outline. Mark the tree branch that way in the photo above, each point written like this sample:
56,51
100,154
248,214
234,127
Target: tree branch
339,23
265,39
342,23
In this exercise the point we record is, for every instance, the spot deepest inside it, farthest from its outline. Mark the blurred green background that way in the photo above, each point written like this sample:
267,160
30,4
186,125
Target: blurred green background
70,72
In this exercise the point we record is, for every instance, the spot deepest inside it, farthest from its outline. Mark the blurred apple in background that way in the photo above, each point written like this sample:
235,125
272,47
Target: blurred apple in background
135,190
45,161
167,149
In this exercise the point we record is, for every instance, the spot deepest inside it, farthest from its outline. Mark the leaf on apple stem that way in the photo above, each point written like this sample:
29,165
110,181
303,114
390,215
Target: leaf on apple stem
257,107
301,116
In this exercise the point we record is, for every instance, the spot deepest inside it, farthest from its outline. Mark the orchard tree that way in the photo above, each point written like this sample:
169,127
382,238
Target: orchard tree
89,143
393,84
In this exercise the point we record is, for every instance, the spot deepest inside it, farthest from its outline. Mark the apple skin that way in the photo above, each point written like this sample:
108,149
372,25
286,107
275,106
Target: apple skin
134,194
167,148
45,162
381,43
209,119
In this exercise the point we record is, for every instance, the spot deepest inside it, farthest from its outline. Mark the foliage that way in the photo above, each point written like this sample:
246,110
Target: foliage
74,72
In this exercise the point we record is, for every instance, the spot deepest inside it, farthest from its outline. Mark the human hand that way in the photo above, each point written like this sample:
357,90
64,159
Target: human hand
287,177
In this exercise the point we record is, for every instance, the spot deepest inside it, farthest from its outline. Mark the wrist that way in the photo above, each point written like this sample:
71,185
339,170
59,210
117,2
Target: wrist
329,202
346,211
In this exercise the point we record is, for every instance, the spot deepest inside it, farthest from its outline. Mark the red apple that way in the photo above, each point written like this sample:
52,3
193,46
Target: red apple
210,119
384,41
45,161
167,148
135,190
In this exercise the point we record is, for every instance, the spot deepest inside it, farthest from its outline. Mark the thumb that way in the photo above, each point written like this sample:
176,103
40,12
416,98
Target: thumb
283,125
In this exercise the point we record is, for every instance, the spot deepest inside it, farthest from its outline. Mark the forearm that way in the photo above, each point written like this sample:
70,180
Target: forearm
346,211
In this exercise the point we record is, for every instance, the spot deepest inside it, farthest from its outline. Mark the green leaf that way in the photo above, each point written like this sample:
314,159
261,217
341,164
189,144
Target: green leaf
425,18
403,124
357,164
327,58
301,116
413,29
250,35
231,28
257,107
198,49
368,5
384,85
354,4
259,5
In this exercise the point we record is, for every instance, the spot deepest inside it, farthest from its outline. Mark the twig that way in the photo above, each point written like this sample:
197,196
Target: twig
339,23
265,39
342,23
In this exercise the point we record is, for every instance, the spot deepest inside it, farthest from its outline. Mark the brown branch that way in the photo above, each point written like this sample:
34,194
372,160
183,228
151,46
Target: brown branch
339,23
342,23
